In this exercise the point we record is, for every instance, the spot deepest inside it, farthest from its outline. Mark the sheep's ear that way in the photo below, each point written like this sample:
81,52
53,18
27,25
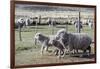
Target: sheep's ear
39,34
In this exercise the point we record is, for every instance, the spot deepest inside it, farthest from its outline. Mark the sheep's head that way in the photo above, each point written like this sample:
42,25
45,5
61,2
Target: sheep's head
21,20
60,32
36,37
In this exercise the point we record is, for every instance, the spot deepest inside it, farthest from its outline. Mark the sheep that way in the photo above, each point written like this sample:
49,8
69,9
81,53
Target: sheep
90,25
77,24
43,40
75,41
51,22
20,22
59,47
79,41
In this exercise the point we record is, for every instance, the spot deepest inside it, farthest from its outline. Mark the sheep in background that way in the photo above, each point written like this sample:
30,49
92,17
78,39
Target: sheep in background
51,22
90,25
20,22
43,40
74,41
80,25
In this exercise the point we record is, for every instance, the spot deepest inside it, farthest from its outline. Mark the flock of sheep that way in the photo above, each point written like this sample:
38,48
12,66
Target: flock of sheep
65,42
50,21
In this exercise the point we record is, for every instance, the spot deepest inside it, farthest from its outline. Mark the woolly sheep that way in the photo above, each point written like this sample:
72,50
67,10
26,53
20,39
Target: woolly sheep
79,41
74,41
43,40
59,48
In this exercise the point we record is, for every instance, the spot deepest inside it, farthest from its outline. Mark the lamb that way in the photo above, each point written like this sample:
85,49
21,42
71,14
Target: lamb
59,47
74,41
43,40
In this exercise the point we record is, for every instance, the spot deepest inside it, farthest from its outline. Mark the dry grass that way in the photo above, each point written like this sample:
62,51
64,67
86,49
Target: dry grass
29,57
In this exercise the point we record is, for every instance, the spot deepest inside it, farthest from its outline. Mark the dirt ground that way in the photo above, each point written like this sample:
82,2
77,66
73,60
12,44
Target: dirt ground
33,56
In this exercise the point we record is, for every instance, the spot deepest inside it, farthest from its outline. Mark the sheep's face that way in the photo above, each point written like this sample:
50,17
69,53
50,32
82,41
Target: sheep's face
37,35
21,20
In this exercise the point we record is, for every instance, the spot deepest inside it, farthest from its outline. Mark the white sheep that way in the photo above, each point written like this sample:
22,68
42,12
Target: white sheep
20,22
90,25
43,40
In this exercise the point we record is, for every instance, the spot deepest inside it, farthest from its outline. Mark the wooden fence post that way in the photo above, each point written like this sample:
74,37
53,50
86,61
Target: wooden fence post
79,29
20,37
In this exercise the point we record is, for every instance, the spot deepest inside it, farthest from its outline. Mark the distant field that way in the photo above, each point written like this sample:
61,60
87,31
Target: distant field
28,53
62,15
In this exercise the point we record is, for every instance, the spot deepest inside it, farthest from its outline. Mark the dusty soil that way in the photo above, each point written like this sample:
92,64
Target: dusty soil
33,56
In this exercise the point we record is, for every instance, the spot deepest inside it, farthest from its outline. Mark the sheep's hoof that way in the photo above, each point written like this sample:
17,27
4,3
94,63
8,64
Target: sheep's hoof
62,56
41,54
59,57
56,54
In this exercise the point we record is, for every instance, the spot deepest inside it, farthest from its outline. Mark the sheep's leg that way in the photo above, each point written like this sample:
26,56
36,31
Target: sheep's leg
56,51
64,52
74,51
77,51
59,55
84,53
89,48
46,48
69,51
70,54
63,45
42,49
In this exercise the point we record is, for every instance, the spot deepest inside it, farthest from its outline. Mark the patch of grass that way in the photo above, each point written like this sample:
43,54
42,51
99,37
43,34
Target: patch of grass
23,48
